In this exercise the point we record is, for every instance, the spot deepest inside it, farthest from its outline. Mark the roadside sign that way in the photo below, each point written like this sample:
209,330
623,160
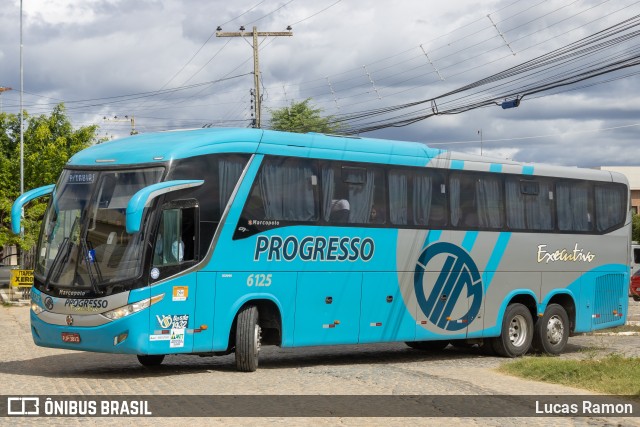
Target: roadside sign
21,278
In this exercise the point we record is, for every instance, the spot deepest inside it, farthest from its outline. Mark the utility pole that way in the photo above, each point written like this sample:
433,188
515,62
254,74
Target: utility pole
256,69
480,133
3,89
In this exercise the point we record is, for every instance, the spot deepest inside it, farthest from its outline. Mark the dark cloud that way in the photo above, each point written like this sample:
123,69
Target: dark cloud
105,48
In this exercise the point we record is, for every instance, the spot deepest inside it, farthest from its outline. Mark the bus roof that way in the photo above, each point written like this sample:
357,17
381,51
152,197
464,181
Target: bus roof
163,147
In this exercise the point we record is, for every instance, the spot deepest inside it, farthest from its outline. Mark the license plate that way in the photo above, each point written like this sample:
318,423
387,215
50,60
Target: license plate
71,337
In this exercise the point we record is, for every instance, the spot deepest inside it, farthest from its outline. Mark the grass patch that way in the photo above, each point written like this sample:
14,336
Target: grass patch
613,374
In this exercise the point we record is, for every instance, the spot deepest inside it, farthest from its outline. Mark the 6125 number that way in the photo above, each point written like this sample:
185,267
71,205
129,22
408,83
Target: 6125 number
259,279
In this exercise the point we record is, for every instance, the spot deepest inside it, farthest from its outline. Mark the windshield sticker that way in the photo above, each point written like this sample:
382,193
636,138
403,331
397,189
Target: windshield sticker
91,256
180,293
177,338
155,273
564,255
173,321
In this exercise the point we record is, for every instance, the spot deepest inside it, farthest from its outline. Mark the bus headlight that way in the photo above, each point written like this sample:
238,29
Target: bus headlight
36,308
135,307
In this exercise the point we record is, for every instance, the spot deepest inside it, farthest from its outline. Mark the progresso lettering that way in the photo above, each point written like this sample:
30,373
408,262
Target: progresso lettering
86,303
276,248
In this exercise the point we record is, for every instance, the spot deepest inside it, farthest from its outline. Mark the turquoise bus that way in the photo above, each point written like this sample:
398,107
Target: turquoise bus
215,241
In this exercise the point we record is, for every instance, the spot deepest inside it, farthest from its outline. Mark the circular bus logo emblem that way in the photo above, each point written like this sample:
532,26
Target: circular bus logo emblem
48,303
457,273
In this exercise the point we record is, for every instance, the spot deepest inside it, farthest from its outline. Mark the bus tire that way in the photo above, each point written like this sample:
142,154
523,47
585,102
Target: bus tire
487,347
248,335
427,345
517,332
551,332
150,360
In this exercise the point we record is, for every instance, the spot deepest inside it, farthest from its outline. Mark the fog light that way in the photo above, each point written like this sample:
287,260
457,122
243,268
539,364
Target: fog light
118,339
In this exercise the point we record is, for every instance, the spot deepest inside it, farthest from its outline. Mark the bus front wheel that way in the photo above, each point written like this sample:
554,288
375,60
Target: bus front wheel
150,360
248,335
516,333
552,330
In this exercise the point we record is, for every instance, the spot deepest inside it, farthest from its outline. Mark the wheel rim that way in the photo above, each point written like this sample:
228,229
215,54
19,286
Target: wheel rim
256,339
555,330
518,330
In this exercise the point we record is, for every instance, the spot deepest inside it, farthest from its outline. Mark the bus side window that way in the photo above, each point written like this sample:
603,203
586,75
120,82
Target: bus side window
353,194
175,242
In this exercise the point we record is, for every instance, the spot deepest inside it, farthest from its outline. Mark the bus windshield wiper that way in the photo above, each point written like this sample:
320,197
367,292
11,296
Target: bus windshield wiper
64,248
57,263
89,262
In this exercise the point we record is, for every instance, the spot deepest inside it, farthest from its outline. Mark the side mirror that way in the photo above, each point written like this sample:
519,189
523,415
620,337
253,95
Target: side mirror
144,197
16,209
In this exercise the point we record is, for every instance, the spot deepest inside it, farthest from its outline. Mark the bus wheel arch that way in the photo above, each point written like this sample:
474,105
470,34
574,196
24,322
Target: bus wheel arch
517,330
258,322
270,320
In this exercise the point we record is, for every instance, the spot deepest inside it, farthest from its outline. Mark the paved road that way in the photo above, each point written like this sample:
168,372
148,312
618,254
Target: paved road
387,369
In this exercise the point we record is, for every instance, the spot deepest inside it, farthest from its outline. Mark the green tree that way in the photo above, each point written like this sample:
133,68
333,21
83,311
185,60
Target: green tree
635,228
49,142
300,117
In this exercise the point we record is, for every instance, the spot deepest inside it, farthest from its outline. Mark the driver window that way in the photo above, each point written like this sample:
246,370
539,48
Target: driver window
175,242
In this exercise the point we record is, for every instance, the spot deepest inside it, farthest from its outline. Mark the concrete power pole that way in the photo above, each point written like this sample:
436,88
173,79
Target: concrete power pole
256,69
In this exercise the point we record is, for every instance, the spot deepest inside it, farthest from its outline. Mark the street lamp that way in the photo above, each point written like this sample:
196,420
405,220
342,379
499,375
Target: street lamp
3,89
480,133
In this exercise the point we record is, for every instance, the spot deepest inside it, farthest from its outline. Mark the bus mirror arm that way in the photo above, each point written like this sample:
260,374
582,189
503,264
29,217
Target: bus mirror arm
144,197
16,209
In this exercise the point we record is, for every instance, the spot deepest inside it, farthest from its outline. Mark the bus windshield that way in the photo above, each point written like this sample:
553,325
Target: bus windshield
84,243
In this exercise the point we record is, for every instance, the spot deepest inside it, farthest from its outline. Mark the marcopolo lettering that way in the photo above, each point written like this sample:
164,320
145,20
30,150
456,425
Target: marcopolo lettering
310,248
86,303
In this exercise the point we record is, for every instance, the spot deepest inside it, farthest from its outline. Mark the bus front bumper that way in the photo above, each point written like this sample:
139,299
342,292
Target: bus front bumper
127,335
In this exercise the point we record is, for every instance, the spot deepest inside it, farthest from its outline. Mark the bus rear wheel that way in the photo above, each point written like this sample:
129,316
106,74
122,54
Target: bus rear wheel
150,360
516,333
552,330
248,336
427,345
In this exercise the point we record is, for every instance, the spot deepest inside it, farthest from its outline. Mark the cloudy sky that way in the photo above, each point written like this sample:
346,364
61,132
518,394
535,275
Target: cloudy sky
161,62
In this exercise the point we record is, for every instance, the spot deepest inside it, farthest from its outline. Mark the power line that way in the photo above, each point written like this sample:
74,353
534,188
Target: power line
583,48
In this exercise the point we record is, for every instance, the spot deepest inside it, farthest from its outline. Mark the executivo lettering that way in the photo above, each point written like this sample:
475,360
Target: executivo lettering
564,255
